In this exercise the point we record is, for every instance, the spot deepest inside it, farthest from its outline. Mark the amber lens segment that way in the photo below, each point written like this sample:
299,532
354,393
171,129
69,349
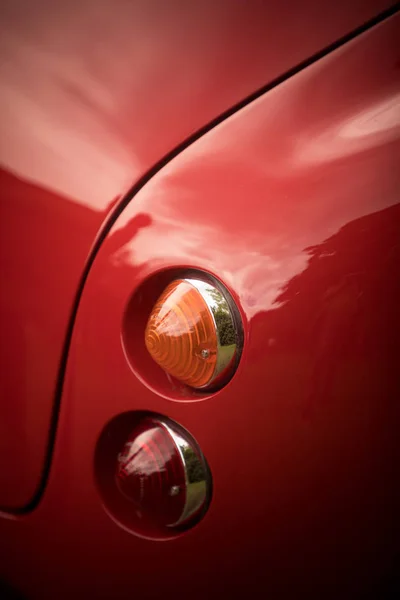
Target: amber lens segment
180,335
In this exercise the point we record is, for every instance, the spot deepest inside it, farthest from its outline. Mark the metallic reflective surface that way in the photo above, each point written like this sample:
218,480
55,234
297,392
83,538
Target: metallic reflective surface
93,94
229,339
293,203
196,476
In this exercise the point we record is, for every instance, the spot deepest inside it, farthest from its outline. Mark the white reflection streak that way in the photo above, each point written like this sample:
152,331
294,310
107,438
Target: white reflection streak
381,117
374,126
54,126
257,277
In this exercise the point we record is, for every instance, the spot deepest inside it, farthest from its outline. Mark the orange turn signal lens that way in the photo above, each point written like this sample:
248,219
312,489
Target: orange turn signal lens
195,333
181,335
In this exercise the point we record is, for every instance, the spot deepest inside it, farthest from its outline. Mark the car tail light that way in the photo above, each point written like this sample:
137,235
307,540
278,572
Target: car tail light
163,473
193,334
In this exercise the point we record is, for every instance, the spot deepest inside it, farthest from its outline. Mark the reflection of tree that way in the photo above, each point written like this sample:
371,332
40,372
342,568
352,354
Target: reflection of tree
225,328
194,468
345,280
341,312
223,319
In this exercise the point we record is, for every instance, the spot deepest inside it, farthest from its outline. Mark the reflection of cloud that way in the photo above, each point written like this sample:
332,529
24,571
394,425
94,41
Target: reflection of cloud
93,95
375,125
260,281
204,216
254,274
83,112
247,198
55,123
382,117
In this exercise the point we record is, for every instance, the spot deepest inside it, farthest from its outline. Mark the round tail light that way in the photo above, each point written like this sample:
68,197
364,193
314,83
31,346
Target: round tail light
194,333
163,473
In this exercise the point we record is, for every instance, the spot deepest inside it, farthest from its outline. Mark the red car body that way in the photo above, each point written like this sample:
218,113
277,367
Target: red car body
258,143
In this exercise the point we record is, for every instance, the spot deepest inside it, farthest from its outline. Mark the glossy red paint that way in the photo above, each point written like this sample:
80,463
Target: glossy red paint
293,203
93,93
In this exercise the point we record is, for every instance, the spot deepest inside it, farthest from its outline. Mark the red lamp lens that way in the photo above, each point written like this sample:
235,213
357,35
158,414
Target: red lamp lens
153,474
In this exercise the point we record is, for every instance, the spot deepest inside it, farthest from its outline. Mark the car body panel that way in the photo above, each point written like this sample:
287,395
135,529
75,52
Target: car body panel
293,203
93,94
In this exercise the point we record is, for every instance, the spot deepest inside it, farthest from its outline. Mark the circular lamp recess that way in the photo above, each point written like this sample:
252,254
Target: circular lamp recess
194,333
162,471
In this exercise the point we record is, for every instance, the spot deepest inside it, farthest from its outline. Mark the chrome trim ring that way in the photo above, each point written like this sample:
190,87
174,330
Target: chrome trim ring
195,477
228,343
